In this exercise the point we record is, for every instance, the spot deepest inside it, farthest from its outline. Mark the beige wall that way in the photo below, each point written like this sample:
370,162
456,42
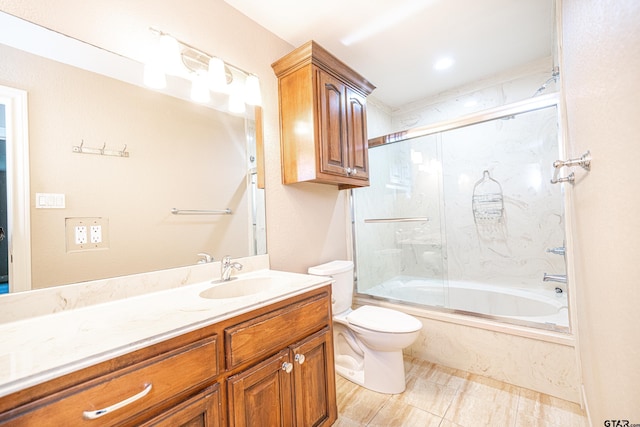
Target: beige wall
305,223
601,75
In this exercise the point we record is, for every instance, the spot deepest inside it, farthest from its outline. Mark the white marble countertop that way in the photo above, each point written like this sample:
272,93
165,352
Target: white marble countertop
41,348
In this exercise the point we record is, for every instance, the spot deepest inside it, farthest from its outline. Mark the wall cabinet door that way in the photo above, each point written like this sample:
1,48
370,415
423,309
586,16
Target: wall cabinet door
314,390
261,395
358,145
332,125
342,129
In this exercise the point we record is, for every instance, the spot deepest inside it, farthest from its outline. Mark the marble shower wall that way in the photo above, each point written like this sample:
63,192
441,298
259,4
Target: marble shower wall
505,246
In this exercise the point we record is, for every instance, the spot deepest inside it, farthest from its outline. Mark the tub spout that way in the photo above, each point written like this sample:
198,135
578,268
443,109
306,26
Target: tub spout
560,278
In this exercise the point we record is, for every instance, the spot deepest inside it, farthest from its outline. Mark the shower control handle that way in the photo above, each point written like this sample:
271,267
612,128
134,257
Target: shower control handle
560,250
300,358
287,367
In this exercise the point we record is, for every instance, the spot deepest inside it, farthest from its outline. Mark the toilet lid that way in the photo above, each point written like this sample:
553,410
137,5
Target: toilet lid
383,320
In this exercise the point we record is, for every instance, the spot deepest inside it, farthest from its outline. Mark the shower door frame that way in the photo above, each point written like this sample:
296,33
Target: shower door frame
525,106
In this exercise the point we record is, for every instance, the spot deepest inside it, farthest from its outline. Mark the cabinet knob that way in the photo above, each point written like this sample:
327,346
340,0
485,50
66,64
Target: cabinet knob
287,367
300,358
348,171
354,171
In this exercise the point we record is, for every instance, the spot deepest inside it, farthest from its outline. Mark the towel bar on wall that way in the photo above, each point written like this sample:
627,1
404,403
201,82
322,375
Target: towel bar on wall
412,219
200,212
583,161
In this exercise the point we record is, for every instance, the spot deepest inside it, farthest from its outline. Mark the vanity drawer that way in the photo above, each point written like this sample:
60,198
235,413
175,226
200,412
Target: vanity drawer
151,386
270,332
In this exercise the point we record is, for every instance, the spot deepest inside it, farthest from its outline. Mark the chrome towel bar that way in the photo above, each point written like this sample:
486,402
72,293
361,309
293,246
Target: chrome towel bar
413,219
200,212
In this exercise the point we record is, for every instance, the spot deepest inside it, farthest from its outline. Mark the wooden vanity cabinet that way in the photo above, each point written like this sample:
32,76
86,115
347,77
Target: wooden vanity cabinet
254,376
323,122
295,384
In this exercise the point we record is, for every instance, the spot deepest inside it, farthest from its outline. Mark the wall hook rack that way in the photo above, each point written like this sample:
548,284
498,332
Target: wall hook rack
583,161
81,149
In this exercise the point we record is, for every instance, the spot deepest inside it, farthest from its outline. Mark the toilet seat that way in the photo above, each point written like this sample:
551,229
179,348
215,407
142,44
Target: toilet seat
381,319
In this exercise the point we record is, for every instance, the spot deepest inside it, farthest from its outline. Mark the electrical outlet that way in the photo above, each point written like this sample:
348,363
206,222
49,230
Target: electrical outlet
87,233
81,234
96,233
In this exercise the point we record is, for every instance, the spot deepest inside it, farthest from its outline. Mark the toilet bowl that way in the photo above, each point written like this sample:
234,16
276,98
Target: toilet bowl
368,341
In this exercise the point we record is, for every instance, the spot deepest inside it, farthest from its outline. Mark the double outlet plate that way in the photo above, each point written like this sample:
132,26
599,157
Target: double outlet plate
87,233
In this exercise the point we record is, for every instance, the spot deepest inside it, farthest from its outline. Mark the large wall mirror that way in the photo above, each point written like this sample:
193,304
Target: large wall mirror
179,155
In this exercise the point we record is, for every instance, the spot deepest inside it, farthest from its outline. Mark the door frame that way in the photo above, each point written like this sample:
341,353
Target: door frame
18,191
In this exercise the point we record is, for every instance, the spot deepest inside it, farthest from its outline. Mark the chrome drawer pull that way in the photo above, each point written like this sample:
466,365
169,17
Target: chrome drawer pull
92,415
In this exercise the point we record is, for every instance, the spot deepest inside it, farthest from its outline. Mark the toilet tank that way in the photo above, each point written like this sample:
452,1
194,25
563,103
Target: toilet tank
342,288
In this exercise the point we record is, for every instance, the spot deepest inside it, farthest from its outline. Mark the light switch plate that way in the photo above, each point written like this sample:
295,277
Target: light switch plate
50,201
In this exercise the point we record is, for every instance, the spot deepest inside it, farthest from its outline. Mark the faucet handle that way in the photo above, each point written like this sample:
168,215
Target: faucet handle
206,258
560,250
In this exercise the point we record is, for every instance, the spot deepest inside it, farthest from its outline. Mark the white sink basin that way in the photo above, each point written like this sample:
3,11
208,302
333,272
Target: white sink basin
238,288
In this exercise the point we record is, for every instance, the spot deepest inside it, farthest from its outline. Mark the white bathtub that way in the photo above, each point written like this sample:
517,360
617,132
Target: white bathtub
540,306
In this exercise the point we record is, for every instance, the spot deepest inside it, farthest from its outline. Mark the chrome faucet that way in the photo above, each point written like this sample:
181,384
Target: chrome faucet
560,278
227,266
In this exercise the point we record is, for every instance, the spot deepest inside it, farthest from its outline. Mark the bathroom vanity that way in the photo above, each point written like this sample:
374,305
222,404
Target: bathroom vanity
260,358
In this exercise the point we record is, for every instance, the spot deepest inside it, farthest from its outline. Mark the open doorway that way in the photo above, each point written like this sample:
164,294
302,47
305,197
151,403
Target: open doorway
4,247
15,233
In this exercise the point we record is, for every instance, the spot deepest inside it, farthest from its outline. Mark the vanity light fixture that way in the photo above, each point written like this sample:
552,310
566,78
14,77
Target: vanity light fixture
207,73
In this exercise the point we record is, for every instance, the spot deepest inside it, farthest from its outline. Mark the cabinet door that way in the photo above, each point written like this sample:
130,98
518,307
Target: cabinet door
202,410
332,125
261,395
358,145
314,381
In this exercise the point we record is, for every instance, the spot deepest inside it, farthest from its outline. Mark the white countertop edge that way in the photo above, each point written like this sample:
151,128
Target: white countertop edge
16,384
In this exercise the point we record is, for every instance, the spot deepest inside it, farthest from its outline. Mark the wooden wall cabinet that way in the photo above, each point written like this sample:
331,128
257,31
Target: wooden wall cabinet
323,119
274,367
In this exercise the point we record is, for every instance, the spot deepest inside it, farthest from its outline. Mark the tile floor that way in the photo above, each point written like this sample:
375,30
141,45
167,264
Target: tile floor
437,396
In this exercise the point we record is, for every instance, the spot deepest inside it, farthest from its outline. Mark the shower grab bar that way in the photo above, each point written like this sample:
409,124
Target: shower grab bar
414,219
200,212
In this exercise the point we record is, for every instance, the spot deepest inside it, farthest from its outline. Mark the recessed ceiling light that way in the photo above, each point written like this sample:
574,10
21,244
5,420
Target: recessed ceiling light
443,63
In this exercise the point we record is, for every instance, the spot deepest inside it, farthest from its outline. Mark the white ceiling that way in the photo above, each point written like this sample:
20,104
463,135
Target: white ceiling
395,43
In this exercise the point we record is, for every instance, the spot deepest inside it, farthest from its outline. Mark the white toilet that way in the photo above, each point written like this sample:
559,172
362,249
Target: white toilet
368,341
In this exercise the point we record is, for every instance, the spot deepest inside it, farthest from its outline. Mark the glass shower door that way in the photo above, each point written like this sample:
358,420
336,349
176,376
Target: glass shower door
468,220
398,235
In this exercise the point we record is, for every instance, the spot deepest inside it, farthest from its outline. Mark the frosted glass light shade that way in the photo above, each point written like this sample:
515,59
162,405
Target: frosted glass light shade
170,56
200,89
236,100
154,76
217,75
252,90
